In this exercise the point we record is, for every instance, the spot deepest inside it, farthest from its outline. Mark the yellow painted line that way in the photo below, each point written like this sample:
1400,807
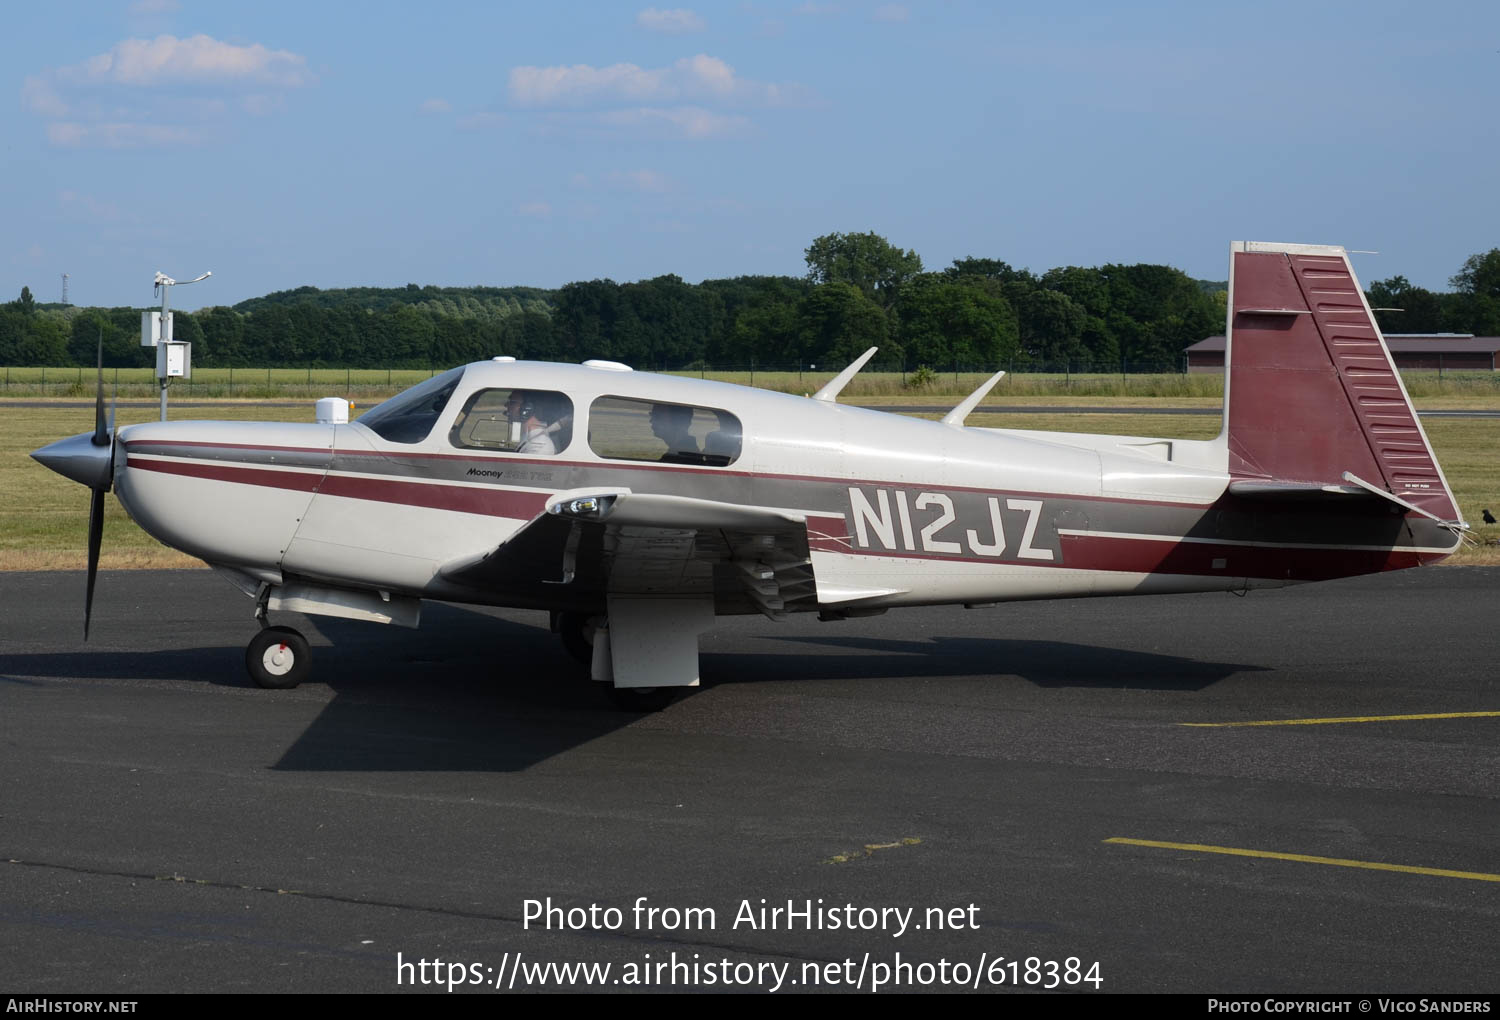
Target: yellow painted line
1349,719
1340,862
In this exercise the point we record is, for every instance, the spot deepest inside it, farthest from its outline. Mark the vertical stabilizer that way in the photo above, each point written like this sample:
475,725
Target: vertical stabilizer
1311,391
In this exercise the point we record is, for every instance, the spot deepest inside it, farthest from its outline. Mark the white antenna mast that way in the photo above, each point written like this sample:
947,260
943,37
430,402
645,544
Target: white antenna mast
173,358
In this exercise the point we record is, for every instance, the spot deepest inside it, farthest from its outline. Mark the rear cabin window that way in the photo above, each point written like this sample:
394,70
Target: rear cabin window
625,429
409,417
515,421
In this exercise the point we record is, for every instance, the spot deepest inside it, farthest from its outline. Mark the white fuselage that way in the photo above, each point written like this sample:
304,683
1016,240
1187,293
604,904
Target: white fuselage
899,511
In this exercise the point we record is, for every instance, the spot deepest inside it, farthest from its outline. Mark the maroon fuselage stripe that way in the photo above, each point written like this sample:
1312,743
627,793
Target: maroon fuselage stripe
460,498
490,502
268,477
1146,555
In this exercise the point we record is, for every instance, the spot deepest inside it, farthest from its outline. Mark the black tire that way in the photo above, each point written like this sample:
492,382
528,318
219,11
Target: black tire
642,699
577,632
278,658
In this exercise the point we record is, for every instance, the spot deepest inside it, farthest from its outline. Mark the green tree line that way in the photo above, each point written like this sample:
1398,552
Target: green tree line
859,291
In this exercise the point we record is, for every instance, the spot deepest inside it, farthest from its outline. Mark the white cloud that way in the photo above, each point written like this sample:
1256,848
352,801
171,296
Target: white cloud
74,135
539,210
437,106
699,77
676,21
891,12
553,86
199,58
38,96
123,98
682,121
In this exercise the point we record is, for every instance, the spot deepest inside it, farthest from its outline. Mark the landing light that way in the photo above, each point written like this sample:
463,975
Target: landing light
583,506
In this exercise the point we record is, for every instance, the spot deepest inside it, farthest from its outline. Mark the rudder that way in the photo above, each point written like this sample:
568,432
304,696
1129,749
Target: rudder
1311,391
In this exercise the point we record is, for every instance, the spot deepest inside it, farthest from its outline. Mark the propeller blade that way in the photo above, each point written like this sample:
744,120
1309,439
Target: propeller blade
96,535
101,433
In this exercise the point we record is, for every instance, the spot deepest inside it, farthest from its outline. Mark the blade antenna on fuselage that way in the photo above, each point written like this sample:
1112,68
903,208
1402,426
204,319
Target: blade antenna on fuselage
959,413
831,392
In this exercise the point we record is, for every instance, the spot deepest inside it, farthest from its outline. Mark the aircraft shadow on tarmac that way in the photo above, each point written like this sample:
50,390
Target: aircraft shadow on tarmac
1047,664
474,692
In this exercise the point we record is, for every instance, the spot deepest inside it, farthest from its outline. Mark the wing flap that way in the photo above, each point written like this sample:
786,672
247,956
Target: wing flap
617,541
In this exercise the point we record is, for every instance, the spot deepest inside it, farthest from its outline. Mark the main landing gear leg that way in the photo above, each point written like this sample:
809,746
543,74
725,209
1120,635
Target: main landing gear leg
577,631
648,650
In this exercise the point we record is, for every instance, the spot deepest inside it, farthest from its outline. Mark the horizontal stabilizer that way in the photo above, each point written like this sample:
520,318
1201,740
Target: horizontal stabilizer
1250,488
1453,525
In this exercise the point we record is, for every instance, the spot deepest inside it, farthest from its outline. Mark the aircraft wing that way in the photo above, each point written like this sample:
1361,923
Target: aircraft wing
598,542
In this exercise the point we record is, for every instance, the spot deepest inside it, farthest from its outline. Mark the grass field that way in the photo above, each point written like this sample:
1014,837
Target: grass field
365,386
44,517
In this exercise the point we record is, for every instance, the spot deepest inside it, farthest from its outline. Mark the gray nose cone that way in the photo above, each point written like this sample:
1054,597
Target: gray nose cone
79,459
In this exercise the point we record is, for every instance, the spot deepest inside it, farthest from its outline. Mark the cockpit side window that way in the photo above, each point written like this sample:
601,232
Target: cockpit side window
515,421
625,429
410,416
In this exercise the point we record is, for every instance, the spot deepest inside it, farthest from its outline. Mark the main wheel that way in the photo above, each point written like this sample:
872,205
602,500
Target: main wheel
278,658
642,699
577,631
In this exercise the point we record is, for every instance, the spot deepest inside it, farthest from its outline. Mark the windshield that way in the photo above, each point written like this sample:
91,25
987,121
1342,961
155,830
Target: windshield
409,417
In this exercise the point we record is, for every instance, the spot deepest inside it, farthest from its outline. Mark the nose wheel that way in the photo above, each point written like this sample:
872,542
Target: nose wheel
278,658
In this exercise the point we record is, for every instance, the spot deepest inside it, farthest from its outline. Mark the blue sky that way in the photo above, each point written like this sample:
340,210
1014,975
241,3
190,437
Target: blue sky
283,144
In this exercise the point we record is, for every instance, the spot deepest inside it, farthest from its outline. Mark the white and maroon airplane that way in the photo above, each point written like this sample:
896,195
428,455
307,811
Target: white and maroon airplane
637,507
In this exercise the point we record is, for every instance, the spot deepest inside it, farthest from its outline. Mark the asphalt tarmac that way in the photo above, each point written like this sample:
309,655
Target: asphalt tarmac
164,826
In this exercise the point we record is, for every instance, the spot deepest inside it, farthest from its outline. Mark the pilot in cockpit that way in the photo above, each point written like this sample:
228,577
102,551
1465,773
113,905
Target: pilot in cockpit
535,421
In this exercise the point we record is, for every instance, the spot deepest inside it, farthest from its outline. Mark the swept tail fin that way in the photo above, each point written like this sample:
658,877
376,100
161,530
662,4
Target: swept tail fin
1311,392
